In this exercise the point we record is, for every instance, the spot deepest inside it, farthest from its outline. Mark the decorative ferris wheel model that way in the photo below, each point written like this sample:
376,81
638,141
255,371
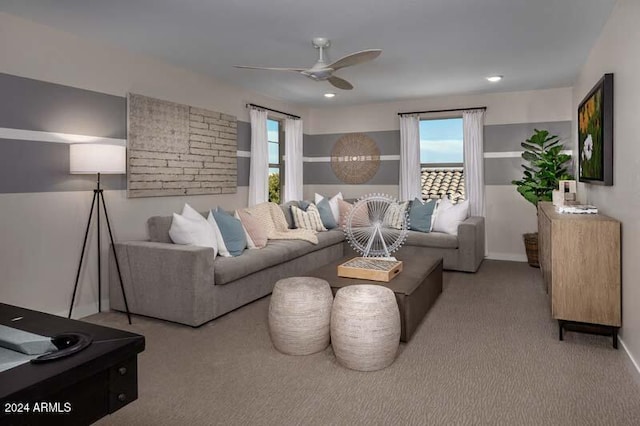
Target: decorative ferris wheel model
375,227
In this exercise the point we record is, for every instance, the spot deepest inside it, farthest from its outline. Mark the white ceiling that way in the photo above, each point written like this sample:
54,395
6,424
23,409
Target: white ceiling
430,47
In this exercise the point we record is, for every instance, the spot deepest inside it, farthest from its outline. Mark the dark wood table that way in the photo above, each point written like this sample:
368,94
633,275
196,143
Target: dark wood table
89,384
416,288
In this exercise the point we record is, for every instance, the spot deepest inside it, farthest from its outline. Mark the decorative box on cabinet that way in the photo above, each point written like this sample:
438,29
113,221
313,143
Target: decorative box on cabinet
580,263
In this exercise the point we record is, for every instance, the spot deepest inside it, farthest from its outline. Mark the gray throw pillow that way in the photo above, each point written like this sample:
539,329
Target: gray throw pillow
286,209
326,214
304,204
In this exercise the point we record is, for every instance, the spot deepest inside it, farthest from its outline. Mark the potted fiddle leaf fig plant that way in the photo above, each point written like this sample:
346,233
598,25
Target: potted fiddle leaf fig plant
547,165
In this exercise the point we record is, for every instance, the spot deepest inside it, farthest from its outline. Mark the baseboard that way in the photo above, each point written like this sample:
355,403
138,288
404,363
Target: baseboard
633,360
81,311
511,257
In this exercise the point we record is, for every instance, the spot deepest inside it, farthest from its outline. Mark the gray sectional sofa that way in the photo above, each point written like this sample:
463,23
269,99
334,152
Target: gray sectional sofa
187,285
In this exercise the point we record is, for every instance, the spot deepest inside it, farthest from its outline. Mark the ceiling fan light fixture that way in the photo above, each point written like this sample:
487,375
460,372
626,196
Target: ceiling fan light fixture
494,78
329,95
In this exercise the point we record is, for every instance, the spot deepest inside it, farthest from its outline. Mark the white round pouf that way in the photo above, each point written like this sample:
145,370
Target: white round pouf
300,315
365,327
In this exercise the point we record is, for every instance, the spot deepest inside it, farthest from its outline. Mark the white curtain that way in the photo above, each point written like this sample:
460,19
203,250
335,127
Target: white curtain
293,159
473,140
259,166
409,158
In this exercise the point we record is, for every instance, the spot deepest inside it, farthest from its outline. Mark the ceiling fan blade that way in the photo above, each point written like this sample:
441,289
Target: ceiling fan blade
270,68
356,58
340,83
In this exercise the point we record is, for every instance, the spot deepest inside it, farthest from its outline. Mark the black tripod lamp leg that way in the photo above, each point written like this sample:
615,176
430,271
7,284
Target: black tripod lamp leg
115,257
84,246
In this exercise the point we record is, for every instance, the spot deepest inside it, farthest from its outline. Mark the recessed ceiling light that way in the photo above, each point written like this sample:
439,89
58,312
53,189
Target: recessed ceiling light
329,95
494,78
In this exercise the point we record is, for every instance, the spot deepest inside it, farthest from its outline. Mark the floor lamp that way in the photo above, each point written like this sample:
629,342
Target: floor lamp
87,158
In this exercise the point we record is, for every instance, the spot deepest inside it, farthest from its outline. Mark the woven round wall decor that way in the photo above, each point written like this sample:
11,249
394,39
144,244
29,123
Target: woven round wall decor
355,158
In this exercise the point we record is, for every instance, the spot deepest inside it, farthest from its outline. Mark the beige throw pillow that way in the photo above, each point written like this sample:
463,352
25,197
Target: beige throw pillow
308,220
255,230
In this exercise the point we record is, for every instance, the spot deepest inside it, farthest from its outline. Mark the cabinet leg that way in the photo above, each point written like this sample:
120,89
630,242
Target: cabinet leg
614,333
560,336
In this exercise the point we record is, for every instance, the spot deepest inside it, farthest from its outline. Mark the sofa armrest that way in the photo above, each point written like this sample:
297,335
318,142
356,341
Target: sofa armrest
164,280
471,243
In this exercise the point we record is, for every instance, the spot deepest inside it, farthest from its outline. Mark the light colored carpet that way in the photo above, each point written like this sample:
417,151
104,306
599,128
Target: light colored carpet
487,353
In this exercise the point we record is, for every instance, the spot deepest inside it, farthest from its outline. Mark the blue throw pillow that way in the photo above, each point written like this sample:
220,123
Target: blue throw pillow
326,214
232,232
420,215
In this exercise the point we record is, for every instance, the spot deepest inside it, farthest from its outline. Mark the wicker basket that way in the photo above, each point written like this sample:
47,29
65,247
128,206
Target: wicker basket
531,245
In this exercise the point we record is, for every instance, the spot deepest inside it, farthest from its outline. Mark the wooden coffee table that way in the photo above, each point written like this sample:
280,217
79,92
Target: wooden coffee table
416,288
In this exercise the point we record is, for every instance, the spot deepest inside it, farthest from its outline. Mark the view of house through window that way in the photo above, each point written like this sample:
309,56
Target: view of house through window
276,167
441,159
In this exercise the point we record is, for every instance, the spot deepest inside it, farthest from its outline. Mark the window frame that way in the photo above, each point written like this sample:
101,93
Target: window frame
441,165
280,164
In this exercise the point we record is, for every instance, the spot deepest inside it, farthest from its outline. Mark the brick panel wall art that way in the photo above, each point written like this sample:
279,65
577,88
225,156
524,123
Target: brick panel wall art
175,149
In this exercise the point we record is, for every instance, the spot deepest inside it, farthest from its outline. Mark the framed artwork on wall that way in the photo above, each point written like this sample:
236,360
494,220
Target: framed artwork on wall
595,134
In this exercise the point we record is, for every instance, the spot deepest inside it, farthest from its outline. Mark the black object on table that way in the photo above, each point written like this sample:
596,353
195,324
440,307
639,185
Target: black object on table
80,388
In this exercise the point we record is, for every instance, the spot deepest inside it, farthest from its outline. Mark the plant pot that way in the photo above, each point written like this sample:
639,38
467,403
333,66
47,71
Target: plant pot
531,246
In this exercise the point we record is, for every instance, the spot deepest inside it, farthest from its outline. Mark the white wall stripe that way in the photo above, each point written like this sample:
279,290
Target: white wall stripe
55,137
511,154
504,154
33,135
328,159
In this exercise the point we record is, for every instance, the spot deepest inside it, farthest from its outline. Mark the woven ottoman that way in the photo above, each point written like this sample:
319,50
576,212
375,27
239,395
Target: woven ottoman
300,315
365,327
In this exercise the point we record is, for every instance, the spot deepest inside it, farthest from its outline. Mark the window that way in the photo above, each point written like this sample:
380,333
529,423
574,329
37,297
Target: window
441,159
275,136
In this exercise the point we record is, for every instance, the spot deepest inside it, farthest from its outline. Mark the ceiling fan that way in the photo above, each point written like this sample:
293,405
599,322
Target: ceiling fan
322,71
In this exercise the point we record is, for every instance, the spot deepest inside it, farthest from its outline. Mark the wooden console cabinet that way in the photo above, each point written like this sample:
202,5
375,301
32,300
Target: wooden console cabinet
580,263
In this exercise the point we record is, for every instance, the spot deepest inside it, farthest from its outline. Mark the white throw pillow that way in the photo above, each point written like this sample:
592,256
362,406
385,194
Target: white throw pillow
222,248
449,216
194,230
333,203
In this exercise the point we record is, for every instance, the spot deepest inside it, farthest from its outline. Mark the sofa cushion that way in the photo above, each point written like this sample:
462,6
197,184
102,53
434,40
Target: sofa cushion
229,269
431,239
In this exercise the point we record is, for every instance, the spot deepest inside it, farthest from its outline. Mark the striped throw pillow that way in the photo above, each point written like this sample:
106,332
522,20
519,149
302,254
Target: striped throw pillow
307,220
393,215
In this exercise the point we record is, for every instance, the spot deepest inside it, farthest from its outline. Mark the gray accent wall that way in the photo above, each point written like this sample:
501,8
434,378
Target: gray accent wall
244,136
321,145
502,138
507,137
38,105
38,166
29,166
322,174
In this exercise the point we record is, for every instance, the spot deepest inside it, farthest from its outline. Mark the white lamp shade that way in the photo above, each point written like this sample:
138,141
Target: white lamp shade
88,158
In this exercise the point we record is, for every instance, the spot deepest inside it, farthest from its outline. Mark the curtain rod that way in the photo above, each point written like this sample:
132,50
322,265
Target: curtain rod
273,110
441,110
